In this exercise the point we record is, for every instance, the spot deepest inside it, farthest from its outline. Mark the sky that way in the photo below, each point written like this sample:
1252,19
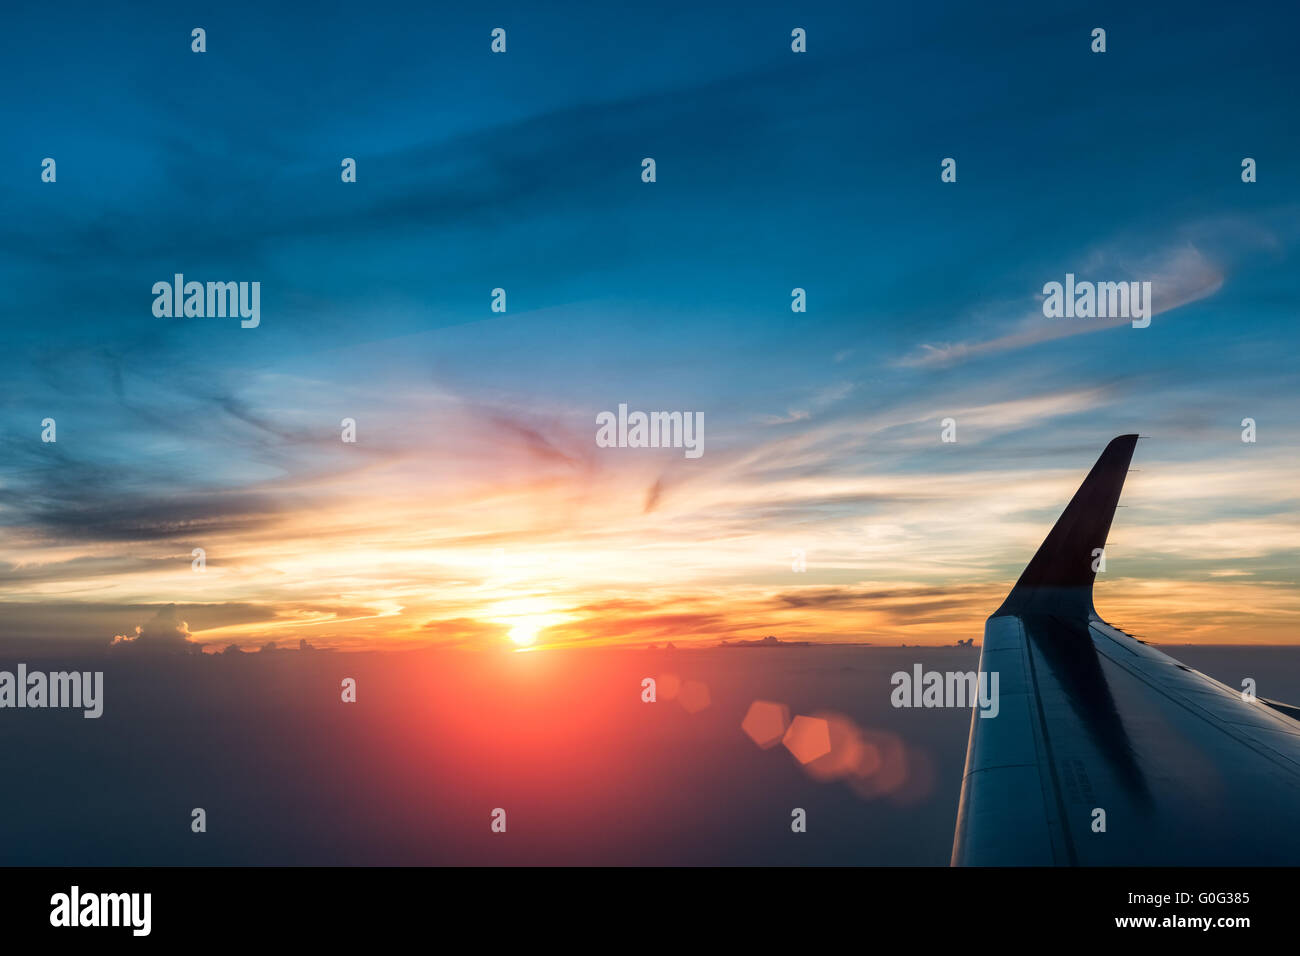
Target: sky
475,503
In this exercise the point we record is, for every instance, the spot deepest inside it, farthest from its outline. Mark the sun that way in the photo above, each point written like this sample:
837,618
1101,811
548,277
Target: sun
525,632
525,618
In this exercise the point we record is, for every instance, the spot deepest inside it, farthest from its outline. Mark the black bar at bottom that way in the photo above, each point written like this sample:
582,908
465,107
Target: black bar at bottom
601,906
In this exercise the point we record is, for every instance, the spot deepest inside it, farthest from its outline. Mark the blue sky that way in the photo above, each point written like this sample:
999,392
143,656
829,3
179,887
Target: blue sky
522,171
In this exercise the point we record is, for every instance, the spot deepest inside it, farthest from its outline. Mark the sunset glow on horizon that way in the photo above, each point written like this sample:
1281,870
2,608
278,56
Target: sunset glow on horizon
574,557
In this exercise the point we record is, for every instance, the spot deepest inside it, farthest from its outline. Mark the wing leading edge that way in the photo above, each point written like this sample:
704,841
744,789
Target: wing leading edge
1105,751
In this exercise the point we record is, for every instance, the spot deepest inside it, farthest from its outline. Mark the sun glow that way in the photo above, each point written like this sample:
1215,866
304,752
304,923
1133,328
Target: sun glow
525,618
525,632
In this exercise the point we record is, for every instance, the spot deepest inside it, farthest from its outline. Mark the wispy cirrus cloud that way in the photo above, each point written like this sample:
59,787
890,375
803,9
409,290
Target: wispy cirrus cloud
1178,276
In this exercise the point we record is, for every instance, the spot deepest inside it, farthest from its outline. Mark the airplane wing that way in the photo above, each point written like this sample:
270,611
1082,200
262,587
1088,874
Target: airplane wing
1185,770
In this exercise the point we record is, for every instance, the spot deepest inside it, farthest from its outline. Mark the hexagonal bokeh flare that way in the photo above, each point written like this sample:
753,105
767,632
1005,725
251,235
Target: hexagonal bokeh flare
808,738
694,696
766,723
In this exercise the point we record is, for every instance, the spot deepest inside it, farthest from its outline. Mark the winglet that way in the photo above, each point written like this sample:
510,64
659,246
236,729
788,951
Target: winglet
1058,579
